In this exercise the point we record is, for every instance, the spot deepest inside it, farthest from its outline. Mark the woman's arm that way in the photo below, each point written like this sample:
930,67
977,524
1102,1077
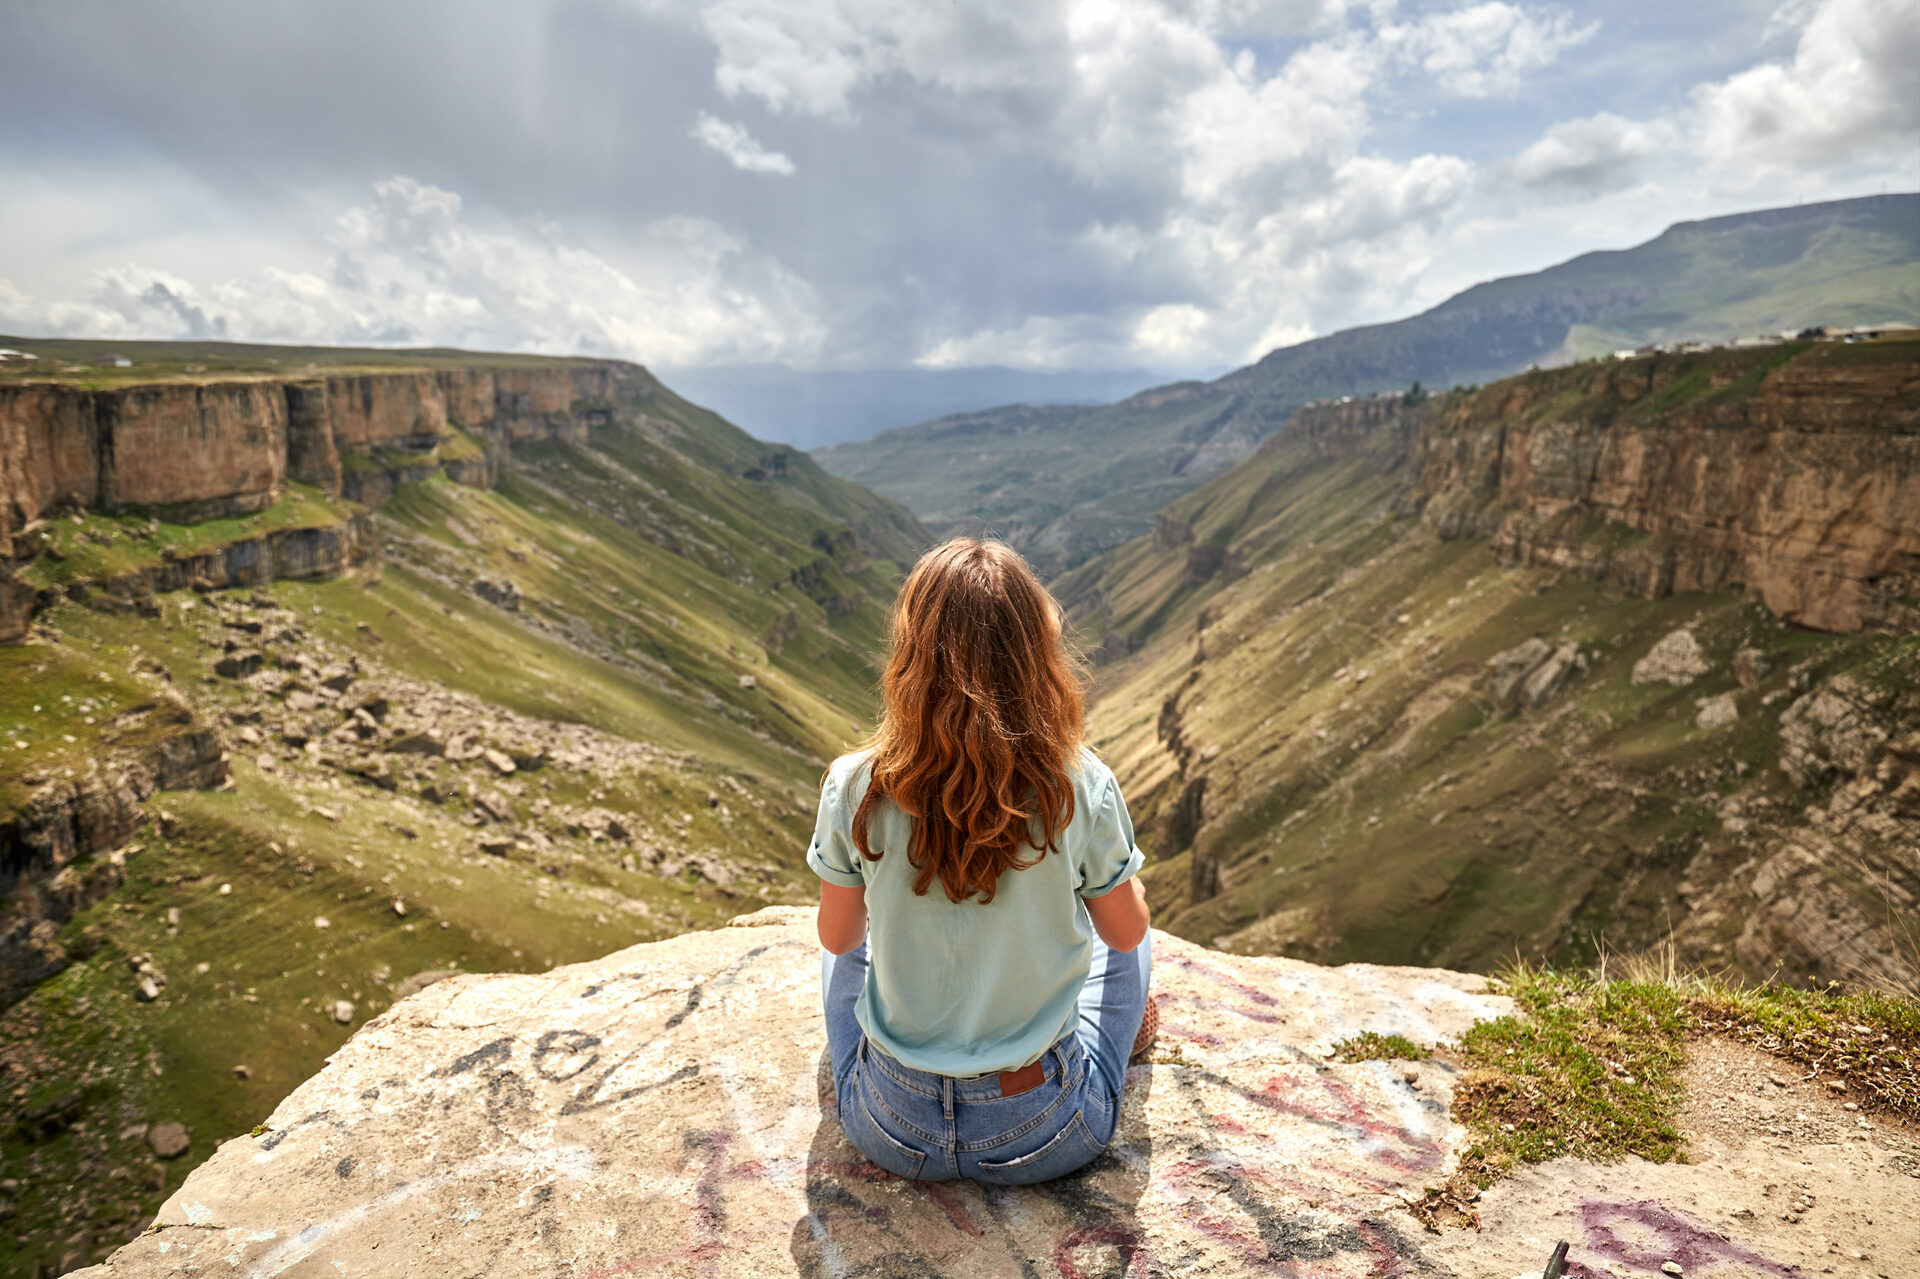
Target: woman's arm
1120,917
843,917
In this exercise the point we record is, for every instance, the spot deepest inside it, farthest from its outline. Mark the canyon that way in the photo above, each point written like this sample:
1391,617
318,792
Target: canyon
1588,658
427,665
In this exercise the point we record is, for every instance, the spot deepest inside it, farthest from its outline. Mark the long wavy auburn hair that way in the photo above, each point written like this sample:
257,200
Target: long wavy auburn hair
983,714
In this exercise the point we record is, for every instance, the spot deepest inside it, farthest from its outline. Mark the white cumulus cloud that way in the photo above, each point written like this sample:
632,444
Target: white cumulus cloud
1484,50
1852,86
1590,153
739,147
407,268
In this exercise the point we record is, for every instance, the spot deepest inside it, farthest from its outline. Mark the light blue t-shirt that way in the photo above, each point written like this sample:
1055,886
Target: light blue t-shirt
968,988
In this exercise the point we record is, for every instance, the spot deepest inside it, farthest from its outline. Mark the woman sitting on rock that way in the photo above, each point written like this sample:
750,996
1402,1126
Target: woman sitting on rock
982,1028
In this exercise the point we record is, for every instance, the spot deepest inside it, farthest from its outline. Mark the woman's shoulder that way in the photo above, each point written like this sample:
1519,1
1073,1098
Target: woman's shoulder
847,774
1091,776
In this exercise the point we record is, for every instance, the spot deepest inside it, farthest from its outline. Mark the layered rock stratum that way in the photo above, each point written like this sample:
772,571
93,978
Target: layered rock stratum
192,449
666,1111
1791,475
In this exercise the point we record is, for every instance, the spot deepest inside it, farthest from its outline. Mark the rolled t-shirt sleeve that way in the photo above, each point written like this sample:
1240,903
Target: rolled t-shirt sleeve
1110,859
832,854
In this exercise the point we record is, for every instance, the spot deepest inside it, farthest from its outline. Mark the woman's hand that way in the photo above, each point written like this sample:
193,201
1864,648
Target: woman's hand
843,917
1120,917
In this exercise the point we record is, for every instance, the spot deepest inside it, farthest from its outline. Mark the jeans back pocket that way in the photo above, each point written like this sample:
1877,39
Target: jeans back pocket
1071,1148
873,1141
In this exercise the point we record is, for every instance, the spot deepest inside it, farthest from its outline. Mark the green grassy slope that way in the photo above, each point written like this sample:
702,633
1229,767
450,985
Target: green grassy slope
1314,687
76,360
1065,483
698,618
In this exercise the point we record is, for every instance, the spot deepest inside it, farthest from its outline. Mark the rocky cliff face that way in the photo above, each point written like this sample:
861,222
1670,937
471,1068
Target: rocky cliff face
49,870
1790,473
1677,703
188,451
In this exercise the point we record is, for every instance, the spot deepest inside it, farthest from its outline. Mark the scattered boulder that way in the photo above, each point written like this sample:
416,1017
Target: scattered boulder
527,758
1830,729
598,823
169,1140
1717,712
1508,669
501,762
1676,660
373,768
1550,676
238,664
1531,674
749,682
494,805
242,1072
1750,666
148,979
499,592
343,1011
422,743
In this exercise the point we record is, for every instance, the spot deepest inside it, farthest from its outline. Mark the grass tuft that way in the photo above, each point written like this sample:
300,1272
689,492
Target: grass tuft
1373,1046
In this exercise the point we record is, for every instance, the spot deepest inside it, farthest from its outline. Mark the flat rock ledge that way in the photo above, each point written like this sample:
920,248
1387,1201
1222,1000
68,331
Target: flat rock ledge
665,1111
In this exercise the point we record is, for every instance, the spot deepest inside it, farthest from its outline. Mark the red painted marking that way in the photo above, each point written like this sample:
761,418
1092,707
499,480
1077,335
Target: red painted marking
955,1210
1254,993
1682,1239
1134,1259
1221,1005
1344,1107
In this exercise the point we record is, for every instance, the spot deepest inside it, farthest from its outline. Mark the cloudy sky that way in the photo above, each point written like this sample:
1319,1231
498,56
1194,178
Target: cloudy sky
1176,185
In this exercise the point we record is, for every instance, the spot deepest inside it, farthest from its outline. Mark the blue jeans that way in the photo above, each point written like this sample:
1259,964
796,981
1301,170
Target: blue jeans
937,1127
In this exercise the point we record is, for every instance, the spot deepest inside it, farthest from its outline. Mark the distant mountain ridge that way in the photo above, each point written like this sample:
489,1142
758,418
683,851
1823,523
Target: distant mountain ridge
1065,483
810,408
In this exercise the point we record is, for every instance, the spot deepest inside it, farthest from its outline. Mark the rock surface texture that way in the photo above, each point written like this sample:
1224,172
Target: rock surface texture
665,1111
